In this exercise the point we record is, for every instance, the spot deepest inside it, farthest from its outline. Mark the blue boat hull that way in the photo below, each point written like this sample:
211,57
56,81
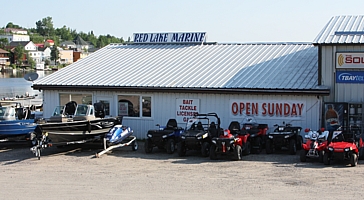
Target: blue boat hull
16,128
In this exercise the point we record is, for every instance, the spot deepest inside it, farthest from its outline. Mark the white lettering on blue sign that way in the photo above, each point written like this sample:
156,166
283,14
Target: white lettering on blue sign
352,77
190,37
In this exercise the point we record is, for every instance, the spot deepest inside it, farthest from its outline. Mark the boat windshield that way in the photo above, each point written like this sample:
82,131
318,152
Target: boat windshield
81,110
58,111
2,111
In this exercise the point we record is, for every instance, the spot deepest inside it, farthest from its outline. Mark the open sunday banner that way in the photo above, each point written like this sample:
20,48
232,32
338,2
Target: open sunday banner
279,109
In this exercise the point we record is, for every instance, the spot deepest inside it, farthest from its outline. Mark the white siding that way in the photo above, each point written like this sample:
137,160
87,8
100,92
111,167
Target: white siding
164,108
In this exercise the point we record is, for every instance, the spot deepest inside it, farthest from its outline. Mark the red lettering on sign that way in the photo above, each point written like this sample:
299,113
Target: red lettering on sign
279,109
255,108
234,108
241,107
264,108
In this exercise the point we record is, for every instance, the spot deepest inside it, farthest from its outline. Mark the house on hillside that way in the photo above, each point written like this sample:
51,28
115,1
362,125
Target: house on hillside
4,58
68,45
16,31
49,43
81,44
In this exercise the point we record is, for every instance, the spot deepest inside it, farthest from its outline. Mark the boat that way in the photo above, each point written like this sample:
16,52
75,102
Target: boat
73,124
17,122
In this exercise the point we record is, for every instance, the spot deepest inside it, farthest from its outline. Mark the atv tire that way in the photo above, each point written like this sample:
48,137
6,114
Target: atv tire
205,149
299,142
213,155
326,159
237,152
292,147
353,159
247,148
258,145
321,156
181,149
148,147
303,154
170,146
268,147
361,153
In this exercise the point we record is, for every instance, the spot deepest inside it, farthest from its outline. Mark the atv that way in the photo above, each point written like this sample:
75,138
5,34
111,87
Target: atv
226,144
165,137
253,135
286,136
316,142
198,134
343,144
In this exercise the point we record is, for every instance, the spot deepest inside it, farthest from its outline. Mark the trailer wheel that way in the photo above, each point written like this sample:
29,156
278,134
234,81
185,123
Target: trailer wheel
303,154
148,146
134,145
170,146
205,149
292,147
353,159
213,155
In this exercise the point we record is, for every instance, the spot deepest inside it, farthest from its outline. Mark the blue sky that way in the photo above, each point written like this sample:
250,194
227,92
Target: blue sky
223,20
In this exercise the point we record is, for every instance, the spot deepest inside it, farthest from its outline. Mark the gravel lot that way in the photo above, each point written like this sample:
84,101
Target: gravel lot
73,172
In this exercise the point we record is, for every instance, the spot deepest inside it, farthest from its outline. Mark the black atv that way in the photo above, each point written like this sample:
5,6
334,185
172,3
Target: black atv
285,135
164,138
198,134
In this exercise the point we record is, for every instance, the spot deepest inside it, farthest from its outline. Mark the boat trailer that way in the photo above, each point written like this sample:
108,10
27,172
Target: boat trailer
131,140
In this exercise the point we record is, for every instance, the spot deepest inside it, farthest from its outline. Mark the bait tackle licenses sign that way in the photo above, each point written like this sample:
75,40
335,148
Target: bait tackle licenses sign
350,77
186,109
265,108
350,60
189,37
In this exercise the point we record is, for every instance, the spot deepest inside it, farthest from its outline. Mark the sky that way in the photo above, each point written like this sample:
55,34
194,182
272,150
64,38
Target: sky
224,21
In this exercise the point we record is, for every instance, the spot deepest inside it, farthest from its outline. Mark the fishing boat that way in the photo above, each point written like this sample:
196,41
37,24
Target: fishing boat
73,124
17,122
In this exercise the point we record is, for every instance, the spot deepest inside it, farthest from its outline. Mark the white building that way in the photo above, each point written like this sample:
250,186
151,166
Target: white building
16,38
148,83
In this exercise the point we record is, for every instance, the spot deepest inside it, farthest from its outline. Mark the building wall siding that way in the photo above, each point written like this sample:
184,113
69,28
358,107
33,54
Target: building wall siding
164,108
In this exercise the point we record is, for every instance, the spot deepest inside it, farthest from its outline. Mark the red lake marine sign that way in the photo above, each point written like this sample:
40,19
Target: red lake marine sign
186,109
268,109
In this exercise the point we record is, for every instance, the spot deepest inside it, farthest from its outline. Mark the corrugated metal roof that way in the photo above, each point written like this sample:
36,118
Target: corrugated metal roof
342,30
222,66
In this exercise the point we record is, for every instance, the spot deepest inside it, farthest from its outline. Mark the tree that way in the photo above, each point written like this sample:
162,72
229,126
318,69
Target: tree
55,54
11,25
3,43
19,54
45,26
47,62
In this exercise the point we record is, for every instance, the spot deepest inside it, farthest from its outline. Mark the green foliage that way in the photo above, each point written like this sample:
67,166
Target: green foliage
13,66
3,43
19,54
11,25
55,54
45,26
36,38
47,62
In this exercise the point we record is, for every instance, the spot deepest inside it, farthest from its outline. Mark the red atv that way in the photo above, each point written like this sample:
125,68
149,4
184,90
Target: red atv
254,135
316,143
226,144
343,144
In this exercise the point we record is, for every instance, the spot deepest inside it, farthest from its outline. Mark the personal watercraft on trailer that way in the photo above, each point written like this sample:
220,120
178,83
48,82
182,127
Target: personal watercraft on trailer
119,136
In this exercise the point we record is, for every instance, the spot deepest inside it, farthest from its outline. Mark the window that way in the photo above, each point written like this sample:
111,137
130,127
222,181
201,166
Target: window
78,98
134,106
107,106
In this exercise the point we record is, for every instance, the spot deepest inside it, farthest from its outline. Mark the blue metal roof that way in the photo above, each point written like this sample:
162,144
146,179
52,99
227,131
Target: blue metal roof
222,66
342,30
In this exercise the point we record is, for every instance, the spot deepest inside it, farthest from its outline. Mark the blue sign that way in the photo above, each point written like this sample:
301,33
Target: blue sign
350,77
